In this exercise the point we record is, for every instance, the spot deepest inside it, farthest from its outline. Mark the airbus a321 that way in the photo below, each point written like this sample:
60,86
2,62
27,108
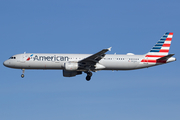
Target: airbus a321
76,64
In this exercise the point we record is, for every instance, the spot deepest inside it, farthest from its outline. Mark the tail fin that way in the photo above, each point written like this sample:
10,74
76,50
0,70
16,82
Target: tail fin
159,53
161,48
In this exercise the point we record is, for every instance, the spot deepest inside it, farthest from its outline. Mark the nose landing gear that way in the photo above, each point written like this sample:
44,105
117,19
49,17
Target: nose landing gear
22,75
88,77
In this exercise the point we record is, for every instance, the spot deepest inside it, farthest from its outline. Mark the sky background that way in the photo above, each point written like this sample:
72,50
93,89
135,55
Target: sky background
81,26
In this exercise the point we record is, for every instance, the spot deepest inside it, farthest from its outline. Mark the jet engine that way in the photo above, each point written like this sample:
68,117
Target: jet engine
70,66
71,73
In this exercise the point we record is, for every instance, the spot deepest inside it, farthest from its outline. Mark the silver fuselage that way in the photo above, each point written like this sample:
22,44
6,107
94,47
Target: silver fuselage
57,61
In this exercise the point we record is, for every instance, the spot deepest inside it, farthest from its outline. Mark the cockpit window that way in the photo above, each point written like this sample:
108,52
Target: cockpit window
12,58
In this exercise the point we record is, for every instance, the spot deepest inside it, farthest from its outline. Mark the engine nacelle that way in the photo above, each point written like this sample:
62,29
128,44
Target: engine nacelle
71,73
70,66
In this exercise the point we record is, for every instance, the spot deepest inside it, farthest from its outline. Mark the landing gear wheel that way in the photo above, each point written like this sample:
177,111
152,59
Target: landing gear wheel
89,74
22,75
88,78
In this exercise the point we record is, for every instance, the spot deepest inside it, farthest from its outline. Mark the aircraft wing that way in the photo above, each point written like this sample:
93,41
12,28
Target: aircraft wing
95,58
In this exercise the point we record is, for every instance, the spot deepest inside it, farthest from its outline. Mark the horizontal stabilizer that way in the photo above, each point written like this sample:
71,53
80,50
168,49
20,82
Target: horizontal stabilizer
166,57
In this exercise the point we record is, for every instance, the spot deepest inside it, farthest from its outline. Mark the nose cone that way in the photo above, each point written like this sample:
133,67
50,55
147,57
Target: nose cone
6,63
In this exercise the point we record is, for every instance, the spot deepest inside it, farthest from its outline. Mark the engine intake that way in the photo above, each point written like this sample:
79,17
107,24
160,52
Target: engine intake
70,66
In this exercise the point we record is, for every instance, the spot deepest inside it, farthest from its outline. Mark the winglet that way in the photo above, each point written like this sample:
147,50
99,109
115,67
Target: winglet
109,48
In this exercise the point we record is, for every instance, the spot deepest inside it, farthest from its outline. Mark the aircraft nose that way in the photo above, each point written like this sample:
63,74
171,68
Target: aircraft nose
5,63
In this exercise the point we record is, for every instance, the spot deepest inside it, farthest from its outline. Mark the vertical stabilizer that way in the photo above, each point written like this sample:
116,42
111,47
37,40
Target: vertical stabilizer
161,48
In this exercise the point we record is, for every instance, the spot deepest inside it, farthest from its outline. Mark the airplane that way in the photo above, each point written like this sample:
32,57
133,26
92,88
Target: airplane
76,64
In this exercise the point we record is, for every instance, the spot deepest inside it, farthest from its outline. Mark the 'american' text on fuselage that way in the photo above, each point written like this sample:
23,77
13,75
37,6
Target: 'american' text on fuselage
50,58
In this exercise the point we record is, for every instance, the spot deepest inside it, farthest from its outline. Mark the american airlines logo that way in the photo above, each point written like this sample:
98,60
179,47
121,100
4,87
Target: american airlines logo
50,58
29,57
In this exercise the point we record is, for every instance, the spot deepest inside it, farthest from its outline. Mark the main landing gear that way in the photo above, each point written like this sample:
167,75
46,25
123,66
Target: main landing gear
88,77
22,75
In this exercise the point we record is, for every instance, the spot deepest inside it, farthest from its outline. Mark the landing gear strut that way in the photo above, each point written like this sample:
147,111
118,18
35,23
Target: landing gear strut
88,77
22,75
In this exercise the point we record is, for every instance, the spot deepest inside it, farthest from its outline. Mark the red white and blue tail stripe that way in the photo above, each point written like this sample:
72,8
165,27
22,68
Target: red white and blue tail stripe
161,49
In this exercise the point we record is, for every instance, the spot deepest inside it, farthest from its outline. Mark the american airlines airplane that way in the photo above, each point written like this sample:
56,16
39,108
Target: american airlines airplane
76,64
